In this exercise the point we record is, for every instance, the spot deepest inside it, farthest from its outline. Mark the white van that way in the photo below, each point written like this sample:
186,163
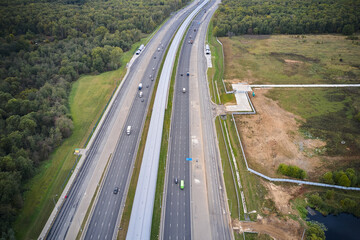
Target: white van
128,130
140,94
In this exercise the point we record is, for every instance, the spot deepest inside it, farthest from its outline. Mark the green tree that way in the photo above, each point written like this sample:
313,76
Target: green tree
101,31
115,58
348,29
315,231
330,194
347,204
328,178
344,181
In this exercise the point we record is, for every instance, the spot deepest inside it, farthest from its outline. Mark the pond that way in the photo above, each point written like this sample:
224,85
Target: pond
342,226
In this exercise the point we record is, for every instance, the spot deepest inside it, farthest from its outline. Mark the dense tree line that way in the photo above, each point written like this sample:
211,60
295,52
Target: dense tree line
348,178
287,17
44,46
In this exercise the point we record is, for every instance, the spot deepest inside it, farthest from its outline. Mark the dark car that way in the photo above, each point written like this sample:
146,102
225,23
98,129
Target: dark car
116,190
176,180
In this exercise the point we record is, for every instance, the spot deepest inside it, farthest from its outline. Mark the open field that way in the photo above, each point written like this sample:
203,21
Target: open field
89,95
307,134
291,59
316,129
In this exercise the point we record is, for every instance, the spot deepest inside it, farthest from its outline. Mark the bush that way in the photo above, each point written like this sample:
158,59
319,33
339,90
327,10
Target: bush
346,179
328,178
316,201
315,231
291,171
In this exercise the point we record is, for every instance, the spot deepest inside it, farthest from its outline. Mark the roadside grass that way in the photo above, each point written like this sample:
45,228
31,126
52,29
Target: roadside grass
257,236
216,73
332,115
292,59
228,179
252,187
88,97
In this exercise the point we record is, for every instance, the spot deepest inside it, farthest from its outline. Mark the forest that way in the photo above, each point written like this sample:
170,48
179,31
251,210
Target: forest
286,17
45,45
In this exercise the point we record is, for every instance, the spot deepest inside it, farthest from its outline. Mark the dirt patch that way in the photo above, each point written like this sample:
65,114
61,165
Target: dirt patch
271,225
296,57
248,79
281,196
292,61
271,137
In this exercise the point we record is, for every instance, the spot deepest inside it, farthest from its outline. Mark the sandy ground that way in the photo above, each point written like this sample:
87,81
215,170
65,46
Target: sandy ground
271,137
273,226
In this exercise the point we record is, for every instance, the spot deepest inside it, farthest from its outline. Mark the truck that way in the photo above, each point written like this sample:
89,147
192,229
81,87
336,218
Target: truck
140,49
140,86
128,130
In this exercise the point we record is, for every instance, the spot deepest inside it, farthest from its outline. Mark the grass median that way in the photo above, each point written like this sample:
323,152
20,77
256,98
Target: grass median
228,175
216,73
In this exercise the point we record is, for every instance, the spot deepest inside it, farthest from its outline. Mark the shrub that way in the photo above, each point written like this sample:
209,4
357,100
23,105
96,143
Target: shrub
315,231
291,171
328,178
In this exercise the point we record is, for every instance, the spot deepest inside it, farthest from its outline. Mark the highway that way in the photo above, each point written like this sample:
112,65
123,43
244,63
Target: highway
177,216
177,222
106,216
126,146
220,222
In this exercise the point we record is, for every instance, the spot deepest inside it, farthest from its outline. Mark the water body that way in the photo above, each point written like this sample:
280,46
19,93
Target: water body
342,226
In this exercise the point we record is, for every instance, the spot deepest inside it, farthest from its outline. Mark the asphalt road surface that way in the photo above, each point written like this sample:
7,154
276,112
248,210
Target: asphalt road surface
105,215
217,199
177,222
122,157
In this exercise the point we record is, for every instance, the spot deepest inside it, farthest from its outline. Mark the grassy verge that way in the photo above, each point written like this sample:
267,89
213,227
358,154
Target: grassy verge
228,177
216,73
253,189
88,97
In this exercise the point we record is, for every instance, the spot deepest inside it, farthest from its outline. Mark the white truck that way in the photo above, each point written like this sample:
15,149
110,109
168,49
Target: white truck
140,86
128,130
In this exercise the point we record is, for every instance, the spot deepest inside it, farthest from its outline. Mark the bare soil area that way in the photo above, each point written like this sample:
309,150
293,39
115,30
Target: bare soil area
273,226
282,195
271,137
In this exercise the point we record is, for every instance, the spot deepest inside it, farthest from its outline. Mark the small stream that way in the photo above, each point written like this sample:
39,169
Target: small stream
342,226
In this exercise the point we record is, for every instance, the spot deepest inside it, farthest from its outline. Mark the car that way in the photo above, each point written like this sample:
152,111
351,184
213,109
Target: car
176,180
116,190
184,90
